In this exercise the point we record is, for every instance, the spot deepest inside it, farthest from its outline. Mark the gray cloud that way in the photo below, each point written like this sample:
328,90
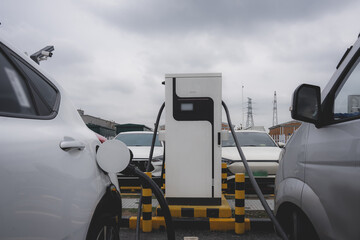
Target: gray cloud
111,56
174,17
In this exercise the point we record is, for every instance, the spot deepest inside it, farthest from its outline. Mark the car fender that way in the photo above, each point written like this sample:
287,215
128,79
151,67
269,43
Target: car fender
288,190
296,192
314,210
110,205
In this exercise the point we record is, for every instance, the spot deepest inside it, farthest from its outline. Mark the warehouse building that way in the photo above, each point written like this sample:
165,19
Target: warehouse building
282,132
109,129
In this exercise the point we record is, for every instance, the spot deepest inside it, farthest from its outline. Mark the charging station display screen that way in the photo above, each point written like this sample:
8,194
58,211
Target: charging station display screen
187,107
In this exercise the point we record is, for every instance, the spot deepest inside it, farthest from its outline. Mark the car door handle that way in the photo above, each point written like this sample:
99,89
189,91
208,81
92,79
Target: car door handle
71,144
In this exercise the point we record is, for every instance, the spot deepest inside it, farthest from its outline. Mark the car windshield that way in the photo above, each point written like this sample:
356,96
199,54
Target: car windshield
138,139
250,139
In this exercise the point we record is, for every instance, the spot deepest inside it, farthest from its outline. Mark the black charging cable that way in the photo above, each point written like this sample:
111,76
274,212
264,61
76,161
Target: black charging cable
252,179
148,169
161,199
154,137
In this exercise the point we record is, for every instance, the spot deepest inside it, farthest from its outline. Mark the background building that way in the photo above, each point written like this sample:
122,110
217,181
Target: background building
282,132
101,126
131,127
109,129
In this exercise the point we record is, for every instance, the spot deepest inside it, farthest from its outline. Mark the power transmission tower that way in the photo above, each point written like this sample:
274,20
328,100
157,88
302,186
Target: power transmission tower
275,115
250,119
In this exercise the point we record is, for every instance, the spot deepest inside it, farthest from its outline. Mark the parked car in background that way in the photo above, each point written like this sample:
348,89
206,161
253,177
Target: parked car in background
260,150
318,180
139,142
101,138
50,184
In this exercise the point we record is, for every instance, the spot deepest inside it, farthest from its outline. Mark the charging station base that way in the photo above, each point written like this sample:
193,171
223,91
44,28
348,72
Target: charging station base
199,211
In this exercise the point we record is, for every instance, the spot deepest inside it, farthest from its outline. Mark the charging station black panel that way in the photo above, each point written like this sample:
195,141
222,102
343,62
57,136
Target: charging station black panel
192,109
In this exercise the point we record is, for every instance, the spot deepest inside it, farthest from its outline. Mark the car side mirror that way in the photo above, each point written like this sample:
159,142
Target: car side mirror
281,144
306,104
113,156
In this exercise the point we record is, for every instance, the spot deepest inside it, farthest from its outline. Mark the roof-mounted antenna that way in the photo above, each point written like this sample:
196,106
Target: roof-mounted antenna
42,54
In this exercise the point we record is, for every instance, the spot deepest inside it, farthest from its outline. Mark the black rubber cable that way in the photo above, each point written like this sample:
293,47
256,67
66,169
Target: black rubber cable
148,169
154,136
253,181
161,199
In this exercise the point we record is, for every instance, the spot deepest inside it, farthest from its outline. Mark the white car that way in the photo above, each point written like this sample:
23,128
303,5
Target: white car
260,150
50,184
139,142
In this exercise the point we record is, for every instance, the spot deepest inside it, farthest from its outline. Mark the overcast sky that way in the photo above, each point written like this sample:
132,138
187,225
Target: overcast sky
111,55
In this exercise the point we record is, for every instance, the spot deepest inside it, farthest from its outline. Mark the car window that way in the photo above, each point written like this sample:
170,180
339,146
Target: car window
250,139
138,139
45,95
14,94
347,97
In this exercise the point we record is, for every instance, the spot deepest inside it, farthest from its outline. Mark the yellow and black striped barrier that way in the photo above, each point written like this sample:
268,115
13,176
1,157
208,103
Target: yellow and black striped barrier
211,224
202,211
147,206
224,185
163,179
240,203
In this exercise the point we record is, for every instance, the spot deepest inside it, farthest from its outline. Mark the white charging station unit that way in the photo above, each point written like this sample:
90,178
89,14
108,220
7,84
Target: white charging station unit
193,138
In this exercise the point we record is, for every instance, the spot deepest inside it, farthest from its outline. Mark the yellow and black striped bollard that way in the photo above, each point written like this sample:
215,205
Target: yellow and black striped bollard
224,185
147,206
239,203
163,179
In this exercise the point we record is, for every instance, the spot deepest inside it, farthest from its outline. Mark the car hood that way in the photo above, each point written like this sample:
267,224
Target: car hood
143,152
252,153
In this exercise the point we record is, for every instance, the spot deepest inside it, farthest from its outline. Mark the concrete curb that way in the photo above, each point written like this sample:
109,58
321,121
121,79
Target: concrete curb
254,224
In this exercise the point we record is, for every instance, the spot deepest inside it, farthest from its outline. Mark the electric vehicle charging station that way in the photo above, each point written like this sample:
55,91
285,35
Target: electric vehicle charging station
192,152
193,156
193,138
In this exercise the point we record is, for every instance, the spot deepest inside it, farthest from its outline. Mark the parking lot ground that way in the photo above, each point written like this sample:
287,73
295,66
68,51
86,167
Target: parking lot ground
252,203
261,227
201,234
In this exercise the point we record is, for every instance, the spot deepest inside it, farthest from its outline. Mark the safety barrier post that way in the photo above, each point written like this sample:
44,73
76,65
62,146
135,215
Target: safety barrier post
224,185
163,180
147,206
239,203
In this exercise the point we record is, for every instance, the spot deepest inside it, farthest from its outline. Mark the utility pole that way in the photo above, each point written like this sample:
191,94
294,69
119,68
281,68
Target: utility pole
275,115
242,106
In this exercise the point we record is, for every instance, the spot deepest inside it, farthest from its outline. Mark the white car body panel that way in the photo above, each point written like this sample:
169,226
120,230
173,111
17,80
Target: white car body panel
260,158
48,193
253,153
142,153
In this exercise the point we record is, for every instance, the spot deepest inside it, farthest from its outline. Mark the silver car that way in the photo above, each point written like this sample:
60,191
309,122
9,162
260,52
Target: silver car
318,180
